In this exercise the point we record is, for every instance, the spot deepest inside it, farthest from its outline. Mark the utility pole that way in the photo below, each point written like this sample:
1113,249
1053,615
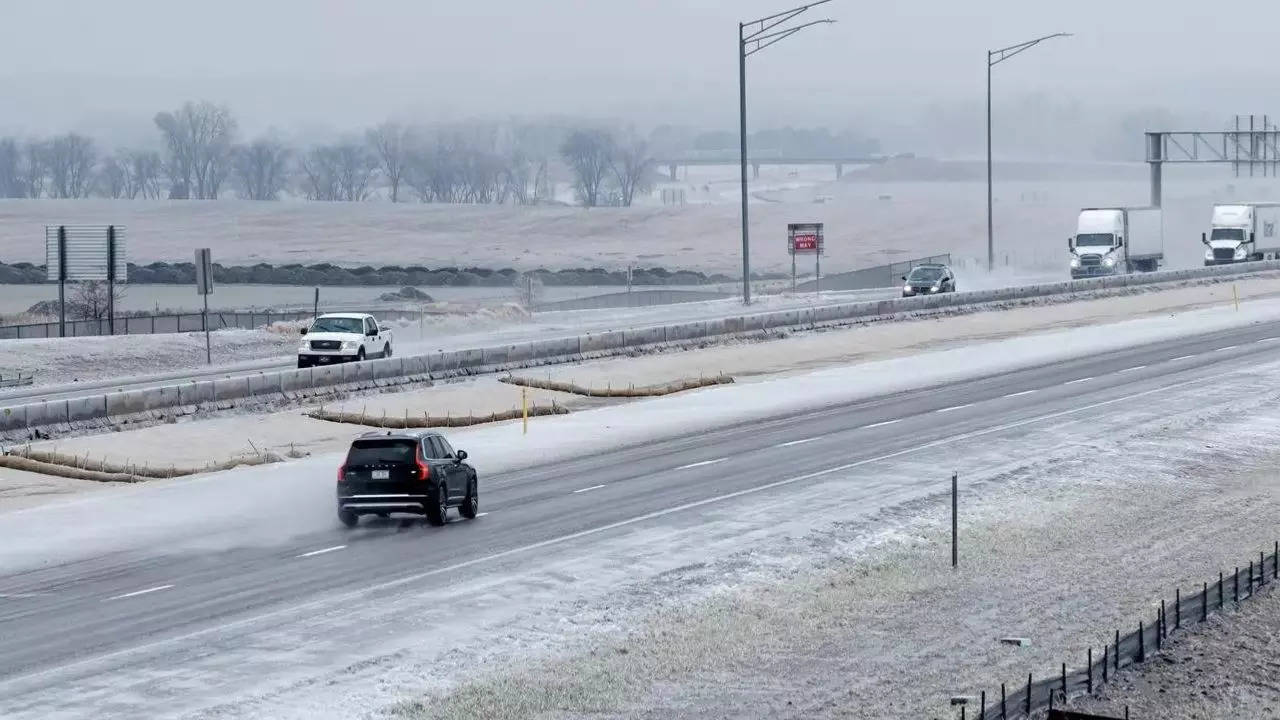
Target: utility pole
751,40
995,57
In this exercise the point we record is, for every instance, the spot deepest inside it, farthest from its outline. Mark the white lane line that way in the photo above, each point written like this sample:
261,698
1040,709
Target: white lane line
1229,347
1131,369
344,598
158,588
313,553
1020,394
1181,357
1270,339
796,442
587,489
704,463
880,424
1080,380
480,515
954,407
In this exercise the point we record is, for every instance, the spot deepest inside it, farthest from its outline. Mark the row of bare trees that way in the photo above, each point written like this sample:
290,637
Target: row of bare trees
607,170
201,157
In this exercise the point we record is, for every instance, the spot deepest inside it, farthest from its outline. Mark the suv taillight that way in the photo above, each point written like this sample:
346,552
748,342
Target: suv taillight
342,473
424,470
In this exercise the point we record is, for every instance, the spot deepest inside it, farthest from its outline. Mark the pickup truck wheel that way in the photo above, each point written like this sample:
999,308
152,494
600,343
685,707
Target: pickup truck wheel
303,364
360,355
438,511
386,350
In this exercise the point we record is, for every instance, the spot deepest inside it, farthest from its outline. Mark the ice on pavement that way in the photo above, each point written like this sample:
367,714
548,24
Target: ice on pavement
240,506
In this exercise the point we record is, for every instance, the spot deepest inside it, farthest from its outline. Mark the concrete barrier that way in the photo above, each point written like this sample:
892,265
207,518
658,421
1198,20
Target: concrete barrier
232,388
89,407
14,418
52,412
266,383
602,341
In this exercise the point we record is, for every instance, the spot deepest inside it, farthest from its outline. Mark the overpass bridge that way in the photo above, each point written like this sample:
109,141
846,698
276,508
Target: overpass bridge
730,157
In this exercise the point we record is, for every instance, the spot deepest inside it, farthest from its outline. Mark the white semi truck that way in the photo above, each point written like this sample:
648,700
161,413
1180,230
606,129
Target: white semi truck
1242,232
1115,241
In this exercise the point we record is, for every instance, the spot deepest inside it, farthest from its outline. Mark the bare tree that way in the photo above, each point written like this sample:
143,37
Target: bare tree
198,137
72,158
338,172
35,167
11,185
632,168
145,169
91,300
588,153
390,141
261,168
113,178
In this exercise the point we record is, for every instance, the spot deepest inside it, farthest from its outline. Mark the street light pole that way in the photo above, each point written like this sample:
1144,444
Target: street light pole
995,57
750,43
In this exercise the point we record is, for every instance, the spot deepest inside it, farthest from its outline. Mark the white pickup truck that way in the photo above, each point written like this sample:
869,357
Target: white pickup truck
343,337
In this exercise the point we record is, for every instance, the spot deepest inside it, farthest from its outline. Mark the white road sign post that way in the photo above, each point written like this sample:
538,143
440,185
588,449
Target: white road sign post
204,286
805,239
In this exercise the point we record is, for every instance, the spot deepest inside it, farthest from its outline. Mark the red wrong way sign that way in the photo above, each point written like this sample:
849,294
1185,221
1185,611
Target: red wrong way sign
804,238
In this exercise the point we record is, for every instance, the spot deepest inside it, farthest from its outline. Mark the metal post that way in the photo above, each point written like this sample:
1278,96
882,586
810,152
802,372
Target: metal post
991,243
1204,603
793,270
955,550
1235,586
1177,609
1155,159
982,707
1089,686
1003,714
1117,650
204,320
111,279
1106,660
1028,693
1275,568
1142,643
1262,568
315,308
1064,680
1221,599
1250,579
1160,626
62,281
742,138
817,270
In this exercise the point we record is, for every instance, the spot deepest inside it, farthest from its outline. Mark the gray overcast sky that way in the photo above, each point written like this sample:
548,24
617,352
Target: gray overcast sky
328,64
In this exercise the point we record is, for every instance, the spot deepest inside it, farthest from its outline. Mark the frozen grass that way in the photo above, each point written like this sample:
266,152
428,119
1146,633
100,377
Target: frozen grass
874,623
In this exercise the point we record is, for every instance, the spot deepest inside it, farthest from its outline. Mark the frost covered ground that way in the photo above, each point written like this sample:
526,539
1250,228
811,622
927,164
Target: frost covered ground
867,223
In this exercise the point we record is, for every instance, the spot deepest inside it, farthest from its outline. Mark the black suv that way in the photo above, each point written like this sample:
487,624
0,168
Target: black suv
406,472
927,279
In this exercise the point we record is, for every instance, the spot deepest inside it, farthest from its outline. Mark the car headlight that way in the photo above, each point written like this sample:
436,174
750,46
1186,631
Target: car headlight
304,347
1075,261
1109,261
935,288
1240,252
1208,254
906,288
349,345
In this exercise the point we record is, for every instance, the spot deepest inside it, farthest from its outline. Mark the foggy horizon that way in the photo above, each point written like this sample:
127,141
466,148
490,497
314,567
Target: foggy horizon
911,77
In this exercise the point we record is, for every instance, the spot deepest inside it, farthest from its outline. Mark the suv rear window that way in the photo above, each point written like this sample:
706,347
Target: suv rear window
381,452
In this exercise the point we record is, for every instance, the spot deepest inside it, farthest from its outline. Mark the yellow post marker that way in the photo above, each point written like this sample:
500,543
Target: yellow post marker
524,408
1235,296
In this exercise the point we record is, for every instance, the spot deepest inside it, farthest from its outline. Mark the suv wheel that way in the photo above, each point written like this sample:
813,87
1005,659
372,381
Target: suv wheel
386,350
471,505
437,512
348,518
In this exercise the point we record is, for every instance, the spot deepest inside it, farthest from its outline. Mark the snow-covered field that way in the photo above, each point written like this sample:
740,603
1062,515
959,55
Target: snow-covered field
867,223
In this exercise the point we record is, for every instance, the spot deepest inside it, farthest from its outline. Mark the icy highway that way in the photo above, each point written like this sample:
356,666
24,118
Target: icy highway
181,627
